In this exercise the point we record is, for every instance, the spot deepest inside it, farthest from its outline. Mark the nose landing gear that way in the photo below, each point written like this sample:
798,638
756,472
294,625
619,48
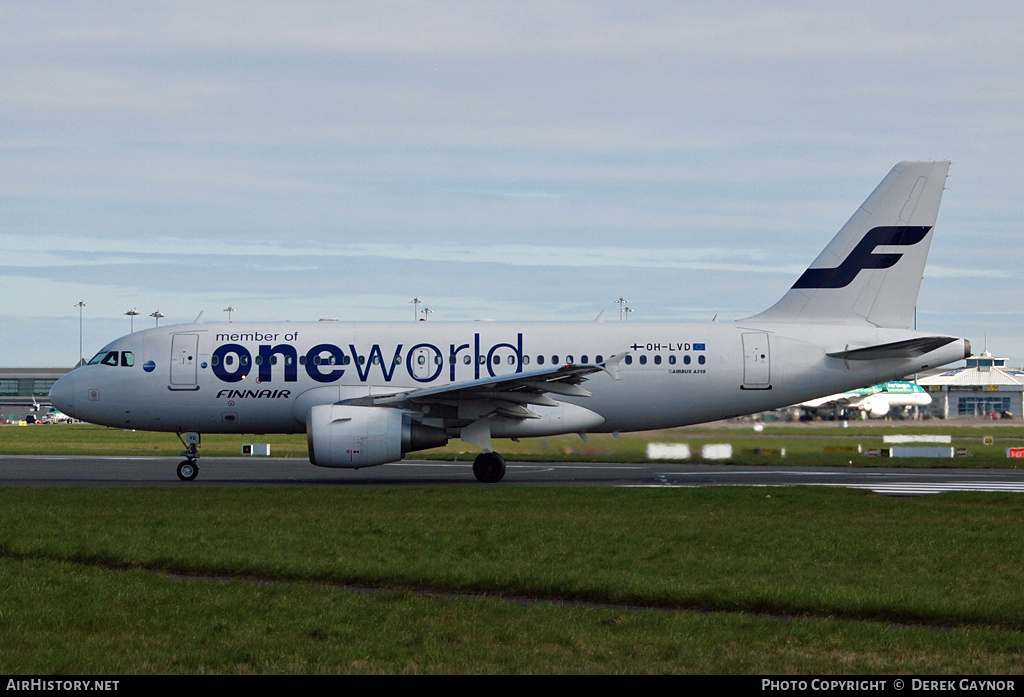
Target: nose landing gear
188,469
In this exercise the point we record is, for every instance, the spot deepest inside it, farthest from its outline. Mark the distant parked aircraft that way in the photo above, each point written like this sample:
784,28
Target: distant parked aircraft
876,400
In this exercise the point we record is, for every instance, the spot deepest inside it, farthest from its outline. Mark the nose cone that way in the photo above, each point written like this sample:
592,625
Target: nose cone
62,394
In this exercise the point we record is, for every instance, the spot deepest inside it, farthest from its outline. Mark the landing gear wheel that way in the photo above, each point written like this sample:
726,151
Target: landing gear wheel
187,470
489,468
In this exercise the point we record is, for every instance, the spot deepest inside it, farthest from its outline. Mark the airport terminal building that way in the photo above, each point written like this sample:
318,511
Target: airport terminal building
983,387
22,388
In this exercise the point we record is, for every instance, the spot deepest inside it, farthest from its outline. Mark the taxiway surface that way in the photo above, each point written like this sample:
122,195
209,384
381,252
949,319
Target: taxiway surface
56,471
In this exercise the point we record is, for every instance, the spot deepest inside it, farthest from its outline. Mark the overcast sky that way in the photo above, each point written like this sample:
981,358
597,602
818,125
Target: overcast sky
505,160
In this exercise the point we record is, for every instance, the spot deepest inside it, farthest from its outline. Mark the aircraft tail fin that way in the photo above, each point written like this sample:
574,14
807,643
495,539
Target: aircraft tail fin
872,270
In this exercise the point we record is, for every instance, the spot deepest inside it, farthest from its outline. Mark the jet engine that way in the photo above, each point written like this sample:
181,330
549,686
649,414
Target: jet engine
876,407
352,437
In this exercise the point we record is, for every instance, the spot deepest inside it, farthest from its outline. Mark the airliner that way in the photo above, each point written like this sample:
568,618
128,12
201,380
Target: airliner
876,400
367,393
52,415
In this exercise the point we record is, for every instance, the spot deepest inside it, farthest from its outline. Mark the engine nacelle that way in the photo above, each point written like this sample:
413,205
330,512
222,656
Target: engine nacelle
876,407
353,437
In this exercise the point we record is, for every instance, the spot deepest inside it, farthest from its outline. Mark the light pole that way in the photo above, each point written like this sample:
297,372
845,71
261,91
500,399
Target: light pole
229,310
622,306
156,315
131,313
426,311
627,310
80,305
415,302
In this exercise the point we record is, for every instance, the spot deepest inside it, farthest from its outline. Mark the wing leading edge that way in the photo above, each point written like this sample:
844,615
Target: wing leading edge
510,395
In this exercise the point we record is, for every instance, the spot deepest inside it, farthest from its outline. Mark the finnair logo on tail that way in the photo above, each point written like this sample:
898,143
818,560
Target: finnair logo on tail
863,256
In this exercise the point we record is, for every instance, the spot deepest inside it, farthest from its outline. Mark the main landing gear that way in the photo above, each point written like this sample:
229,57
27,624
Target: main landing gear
489,468
188,469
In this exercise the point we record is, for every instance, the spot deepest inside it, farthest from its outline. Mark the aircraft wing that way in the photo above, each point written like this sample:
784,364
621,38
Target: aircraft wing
509,395
843,399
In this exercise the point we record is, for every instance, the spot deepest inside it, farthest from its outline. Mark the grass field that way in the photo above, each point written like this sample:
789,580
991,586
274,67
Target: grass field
510,580
493,580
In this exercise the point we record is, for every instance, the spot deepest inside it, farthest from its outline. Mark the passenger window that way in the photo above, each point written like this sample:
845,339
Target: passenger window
568,359
700,359
554,360
686,359
540,360
672,359
599,358
657,360
583,359
526,360
643,360
629,360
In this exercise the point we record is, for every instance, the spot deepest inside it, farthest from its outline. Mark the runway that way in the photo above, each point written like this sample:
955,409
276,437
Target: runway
55,471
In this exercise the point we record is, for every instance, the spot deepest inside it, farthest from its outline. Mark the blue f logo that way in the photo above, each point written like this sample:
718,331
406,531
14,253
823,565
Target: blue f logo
863,257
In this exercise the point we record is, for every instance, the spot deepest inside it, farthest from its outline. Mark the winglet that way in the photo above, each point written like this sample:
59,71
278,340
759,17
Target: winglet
611,366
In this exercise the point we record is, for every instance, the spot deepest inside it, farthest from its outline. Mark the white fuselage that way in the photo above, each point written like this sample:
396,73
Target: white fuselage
264,377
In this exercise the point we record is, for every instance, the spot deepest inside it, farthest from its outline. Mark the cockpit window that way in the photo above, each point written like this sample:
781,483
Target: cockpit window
114,358
105,357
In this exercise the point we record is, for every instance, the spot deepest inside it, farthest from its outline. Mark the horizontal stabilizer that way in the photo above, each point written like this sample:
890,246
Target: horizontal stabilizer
911,348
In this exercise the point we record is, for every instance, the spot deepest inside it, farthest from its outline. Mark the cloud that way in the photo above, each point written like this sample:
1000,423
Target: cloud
696,156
